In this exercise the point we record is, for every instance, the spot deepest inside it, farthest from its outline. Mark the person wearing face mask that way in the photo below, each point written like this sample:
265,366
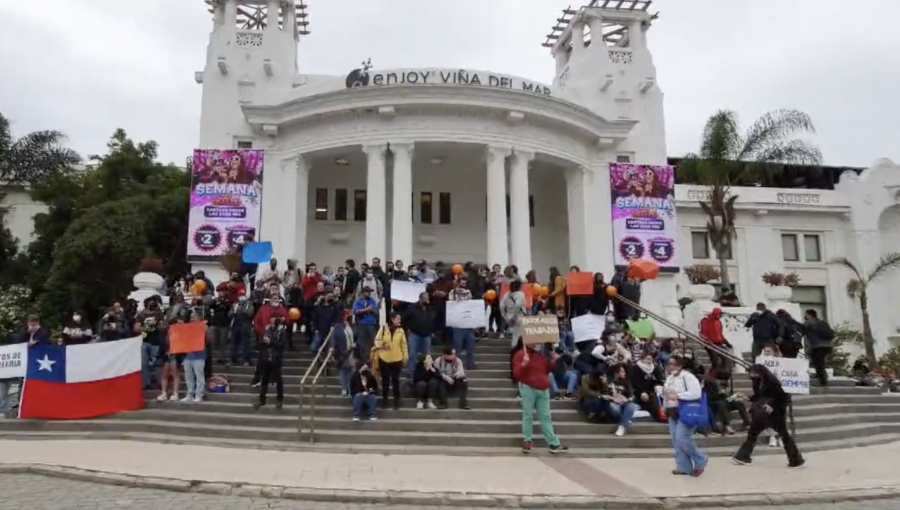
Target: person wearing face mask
393,355
426,274
310,285
150,323
369,281
769,410
682,386
329,314
365,309
364,391
338,283
494,281
351,282
241,318
113,325
77,331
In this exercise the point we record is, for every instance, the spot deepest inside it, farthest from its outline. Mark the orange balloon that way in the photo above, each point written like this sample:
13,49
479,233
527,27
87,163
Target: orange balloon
457,269
199,286
294,313
611,291
545,291
490,295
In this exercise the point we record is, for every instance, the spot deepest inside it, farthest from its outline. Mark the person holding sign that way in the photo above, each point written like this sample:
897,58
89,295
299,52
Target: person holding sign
770,403
531,369
463,338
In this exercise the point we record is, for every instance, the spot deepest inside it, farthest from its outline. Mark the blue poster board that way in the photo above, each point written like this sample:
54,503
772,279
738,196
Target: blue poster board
257,253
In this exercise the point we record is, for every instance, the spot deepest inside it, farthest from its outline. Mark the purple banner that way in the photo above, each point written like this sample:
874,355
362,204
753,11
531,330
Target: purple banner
226,200
643,213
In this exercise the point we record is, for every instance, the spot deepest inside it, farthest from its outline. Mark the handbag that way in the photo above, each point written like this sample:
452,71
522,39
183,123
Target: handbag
694,413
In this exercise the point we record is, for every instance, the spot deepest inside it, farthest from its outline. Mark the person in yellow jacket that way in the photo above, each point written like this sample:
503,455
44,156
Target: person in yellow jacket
557,285
393,355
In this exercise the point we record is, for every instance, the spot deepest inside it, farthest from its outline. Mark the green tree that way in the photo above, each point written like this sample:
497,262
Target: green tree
858,287
33,156
730,158
101,222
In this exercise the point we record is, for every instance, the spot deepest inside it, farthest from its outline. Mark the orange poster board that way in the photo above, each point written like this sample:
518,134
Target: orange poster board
526,288
184,338
580,283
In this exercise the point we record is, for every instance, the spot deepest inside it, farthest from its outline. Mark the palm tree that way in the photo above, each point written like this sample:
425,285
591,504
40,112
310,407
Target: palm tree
730,158
33,156
858,286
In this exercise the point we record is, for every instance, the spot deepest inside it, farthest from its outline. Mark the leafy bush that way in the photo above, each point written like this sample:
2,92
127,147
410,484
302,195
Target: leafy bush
839,359
781,279
701,274
889,363
14,303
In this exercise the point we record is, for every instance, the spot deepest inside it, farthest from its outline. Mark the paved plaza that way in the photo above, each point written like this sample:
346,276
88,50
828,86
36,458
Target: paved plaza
419,477
33,492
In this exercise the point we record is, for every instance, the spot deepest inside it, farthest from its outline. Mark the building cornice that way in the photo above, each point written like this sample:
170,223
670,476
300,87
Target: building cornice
372,98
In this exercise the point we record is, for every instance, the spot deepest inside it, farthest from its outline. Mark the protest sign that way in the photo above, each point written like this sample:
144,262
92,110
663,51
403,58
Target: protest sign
13,361
792,372
468,314
406,292
588,327
580,283
540,329
184,338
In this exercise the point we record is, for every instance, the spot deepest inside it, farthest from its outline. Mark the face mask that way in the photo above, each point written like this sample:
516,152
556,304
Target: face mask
414,273
76,318
242,298
370,277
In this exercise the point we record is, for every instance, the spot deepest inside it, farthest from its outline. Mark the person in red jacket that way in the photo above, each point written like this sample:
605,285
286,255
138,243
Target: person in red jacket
711,331
264,316
531,369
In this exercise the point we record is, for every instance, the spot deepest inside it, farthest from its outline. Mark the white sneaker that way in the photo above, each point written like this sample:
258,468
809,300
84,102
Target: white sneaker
773,441
187,398
173,397
356,418
344,394
420,405
620,431
197,400
780,443
162,397
431,405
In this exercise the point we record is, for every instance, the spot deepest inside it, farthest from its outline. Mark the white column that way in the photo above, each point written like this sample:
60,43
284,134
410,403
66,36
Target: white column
230,14
301,196
376,209
497,244
577,227
401,230
519,211
287,205
272,186
577,38
272,15
597,196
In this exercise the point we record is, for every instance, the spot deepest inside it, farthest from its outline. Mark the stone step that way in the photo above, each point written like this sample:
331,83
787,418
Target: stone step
852,440
334,399
362,434
561,412
434,421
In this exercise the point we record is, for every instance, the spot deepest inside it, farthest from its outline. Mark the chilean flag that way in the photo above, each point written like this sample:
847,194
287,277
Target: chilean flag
82,381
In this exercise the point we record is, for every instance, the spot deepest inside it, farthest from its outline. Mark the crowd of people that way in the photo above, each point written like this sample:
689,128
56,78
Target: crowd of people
260,313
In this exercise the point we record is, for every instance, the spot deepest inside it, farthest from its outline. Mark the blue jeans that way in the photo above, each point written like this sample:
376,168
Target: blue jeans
464,339
344,374
688,458
571,380
318,338
240,339
567,340
195,380
418,345
149,353
5,401
365,339
369,400
621,414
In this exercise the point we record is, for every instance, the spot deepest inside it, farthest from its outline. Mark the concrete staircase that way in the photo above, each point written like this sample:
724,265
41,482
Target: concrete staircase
841,416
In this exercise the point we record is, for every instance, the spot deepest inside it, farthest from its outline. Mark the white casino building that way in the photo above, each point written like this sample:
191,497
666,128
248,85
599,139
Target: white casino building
421,163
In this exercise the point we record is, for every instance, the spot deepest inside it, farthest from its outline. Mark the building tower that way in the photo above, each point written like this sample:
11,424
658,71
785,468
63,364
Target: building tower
251,59
603,63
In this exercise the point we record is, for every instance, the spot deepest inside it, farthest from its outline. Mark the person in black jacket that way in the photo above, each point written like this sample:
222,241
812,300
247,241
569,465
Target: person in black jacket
819,336
792,335
599,302
420,320
364,389
271,358
425,382
645,377
767,328
769,410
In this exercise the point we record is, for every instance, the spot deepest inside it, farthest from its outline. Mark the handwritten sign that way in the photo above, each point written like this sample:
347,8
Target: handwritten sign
540,329
467,314
13,361
406,292
792,372
588,327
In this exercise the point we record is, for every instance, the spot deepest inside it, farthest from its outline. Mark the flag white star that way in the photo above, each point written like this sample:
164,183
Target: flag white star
46,364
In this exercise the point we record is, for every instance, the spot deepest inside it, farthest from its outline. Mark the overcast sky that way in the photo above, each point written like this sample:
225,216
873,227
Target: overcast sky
87,67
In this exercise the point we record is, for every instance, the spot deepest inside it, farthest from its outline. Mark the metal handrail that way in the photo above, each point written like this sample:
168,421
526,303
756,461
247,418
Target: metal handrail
306,375
312,397
687,334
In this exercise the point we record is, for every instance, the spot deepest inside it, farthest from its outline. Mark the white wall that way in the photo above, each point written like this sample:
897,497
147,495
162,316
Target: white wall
19,218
